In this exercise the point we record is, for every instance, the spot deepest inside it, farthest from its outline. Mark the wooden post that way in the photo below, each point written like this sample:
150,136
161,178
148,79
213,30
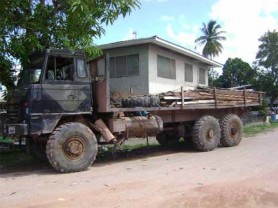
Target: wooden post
107,82
215,98
182,97
244,96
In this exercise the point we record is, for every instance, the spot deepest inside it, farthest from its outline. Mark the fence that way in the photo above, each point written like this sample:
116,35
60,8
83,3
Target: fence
253,117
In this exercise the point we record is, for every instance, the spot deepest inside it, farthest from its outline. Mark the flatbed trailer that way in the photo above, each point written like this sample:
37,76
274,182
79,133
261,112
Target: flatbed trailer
175,108
65,116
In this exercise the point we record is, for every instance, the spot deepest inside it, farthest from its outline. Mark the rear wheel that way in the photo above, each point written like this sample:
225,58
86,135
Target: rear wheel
166,139
231,130
71,147
206,133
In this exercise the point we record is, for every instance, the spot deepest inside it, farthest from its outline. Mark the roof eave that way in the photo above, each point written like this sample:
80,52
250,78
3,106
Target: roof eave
163,43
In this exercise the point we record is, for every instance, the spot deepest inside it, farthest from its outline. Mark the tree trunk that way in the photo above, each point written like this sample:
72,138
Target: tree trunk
272,100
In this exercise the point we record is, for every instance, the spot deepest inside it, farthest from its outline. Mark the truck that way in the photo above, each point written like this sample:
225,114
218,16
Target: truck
63,108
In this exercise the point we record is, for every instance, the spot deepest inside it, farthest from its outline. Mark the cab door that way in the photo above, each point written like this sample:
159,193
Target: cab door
65,86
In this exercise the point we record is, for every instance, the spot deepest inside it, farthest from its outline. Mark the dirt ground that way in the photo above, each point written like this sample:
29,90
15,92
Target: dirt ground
243,176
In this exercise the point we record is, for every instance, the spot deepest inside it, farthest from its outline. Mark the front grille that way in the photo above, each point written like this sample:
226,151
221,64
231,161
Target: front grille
13,112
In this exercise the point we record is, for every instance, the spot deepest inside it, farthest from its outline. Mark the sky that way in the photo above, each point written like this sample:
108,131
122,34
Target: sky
179,21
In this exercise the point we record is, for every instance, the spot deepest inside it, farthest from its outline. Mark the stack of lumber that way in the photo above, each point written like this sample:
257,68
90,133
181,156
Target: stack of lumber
204,97
209,96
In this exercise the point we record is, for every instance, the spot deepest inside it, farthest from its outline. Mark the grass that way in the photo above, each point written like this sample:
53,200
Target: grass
252,130
18,160
6,140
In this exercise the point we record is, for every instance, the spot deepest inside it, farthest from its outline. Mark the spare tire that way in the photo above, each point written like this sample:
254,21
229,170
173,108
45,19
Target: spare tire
141,101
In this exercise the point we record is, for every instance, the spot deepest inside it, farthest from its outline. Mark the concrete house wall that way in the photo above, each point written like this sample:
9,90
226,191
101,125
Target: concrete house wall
136,83
148,81
159,84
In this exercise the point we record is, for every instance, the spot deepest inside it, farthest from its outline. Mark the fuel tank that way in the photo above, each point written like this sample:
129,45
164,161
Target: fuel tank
137,126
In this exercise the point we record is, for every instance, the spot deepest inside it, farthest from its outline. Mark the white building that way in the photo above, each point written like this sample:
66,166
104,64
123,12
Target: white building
153,65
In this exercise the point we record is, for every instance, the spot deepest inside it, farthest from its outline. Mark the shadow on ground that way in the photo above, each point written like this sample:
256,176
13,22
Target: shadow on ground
20,163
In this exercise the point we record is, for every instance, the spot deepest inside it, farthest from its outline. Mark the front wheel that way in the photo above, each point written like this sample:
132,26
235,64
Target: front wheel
71,147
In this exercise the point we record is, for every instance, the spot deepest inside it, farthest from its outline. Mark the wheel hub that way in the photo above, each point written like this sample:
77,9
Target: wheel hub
233,130
210,134
74,148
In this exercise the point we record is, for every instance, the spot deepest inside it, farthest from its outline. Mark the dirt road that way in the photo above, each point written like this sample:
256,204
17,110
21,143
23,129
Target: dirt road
243,176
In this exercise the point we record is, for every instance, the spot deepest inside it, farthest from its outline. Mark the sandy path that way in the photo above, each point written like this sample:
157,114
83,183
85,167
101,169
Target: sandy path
243,176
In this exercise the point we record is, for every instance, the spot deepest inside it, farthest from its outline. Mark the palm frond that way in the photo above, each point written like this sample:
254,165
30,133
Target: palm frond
211,39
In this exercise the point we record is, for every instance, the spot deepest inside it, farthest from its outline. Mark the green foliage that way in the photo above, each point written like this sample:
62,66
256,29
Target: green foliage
236,73
267,63
211,38
263,109
32,25
213,78
252,130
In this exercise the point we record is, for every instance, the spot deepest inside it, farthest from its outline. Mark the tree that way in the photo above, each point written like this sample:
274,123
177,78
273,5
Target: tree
213,78
31,25
267,61
236,73
211,39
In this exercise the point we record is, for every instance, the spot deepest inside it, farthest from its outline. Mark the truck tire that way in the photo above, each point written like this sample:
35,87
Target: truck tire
231,130
141,101
71,147
167,140
206,133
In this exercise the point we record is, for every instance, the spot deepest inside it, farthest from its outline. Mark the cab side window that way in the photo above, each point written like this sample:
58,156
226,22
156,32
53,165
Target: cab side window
81,69
59,68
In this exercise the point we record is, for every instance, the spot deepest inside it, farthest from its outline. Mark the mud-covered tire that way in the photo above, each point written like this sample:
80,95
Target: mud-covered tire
36,149
71,147
167,140
206,133
231,130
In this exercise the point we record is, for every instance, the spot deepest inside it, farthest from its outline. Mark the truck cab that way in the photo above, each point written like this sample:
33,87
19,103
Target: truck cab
55,84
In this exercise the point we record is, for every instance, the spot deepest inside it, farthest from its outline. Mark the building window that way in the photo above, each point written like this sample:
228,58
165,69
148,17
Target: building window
188,70
124,66
166,67
202,76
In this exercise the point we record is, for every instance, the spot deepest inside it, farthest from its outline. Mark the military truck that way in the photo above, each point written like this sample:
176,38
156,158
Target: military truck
63,107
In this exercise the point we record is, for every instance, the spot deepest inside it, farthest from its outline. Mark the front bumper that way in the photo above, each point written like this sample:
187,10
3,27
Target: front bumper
19,129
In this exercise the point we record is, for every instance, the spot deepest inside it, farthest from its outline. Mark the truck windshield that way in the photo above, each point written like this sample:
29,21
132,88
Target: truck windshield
31,74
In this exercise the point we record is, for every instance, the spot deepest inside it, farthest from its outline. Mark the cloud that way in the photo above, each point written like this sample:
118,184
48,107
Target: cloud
184,38
166,18
245,22
179,31
131,33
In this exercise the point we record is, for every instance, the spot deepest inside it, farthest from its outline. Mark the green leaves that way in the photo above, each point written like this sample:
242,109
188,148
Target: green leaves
267,57
211,37
236,73
30,25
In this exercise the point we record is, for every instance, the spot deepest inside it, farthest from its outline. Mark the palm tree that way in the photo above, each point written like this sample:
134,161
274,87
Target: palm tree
211,39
